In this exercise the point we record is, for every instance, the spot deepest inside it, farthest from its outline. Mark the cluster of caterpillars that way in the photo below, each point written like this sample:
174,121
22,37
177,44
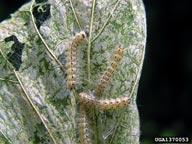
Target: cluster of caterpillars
92,100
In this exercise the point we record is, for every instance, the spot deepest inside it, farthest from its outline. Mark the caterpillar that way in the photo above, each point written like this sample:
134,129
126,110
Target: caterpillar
83,127
108,74
113,103
71,61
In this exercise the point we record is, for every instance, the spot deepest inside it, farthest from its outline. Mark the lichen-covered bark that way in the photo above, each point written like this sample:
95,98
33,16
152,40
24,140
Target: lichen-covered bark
36,105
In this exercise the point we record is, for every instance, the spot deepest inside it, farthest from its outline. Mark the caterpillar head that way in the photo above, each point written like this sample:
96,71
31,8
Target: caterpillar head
83,34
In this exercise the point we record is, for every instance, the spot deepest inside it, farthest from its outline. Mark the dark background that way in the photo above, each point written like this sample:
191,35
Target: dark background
165,91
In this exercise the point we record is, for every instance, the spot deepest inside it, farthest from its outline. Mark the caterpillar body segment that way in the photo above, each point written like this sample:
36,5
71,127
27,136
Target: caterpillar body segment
108,74
112,103
88,100
106,104
72,59
83,127
116,59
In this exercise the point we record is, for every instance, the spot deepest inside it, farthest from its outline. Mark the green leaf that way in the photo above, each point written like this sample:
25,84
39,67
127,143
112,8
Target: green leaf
36,105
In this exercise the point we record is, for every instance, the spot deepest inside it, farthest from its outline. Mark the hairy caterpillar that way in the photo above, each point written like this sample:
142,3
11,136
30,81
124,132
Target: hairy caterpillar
106,104
107,75
83,127
71,61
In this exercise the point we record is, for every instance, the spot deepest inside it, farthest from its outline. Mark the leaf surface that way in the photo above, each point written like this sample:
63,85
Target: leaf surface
36,105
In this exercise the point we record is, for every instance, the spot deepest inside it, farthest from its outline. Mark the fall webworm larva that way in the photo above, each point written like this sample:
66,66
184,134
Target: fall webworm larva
71,61
83,127
113,103
108,74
